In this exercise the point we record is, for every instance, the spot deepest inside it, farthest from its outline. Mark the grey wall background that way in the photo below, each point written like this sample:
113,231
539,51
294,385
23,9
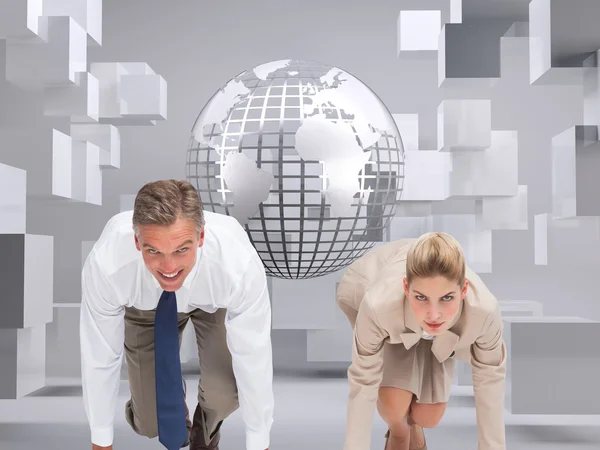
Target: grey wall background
197,46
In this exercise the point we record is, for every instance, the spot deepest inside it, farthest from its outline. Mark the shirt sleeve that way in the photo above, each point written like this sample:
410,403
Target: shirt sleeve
488,360
248,324
101,339
364,376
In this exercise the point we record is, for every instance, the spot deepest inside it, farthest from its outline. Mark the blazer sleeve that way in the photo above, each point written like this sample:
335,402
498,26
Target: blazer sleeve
488,360
364,376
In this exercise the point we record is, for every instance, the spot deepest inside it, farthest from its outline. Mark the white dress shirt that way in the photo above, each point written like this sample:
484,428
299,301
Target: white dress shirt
228,273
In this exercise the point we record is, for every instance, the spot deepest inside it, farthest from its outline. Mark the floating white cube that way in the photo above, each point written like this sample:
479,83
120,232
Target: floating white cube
573,242
514,55
540,240
35,64
468,55
62,165
427,176
130,93
13,195
106,137
87,13
552,351
76,172
66,52
108,75
418,31
591,91
575,169
414,209
86,173
492,172
552,57
79,101
408,126
26,262
409,227
506,213
143,97
19,19
450,10
464,125
23,355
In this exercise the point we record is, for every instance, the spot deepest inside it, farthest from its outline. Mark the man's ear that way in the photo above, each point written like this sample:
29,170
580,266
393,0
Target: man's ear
137,243
201,238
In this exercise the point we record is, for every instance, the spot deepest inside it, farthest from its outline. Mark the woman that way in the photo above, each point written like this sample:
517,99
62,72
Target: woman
415,308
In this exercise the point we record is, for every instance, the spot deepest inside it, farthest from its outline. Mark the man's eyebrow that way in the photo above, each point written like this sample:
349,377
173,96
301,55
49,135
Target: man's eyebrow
189,241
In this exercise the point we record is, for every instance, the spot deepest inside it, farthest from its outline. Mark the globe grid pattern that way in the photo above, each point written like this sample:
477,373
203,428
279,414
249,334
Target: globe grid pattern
292,229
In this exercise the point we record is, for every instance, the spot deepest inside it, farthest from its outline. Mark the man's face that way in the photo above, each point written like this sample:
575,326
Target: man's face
170,251
435,301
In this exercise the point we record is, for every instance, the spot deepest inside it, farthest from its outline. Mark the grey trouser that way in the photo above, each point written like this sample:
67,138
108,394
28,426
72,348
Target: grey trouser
217,389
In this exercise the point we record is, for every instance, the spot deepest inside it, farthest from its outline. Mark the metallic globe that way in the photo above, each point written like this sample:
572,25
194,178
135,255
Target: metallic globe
306,157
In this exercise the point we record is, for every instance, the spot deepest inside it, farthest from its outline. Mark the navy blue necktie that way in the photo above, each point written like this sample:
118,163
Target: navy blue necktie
170,402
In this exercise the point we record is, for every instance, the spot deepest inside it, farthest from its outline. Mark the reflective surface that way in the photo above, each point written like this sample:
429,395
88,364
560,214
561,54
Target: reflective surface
306,157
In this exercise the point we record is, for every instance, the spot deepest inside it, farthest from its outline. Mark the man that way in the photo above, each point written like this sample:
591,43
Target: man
150,272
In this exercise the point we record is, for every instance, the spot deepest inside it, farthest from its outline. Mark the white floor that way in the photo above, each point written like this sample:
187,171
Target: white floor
310,414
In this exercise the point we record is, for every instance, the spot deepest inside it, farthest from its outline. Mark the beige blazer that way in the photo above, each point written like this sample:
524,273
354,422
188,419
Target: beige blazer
372,295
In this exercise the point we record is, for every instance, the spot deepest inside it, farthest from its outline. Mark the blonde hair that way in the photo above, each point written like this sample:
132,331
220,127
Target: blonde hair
163,202
435,254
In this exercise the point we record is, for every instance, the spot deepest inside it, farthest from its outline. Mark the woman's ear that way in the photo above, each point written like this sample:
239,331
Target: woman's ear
405,283
463,292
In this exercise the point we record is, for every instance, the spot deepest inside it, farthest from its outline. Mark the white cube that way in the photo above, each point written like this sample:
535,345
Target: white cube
575,168
66,52
79,101
86,173
23,354
87,13
144,97
553,351
62,165
427,176
13,196
576,240
418,30
19,19
106,137
492,172
26,262
506,213
408,126
464,125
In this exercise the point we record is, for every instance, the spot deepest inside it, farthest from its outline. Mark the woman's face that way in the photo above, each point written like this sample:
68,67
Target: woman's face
435,301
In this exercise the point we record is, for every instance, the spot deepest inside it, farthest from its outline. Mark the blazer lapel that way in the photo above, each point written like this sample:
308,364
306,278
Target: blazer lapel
415,332
444,344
